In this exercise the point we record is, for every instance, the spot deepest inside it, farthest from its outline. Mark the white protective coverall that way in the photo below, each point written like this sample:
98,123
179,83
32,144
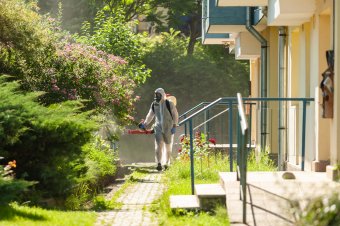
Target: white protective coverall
164,122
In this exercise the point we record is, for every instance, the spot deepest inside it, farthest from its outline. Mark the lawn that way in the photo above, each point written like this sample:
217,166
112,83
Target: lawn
29,216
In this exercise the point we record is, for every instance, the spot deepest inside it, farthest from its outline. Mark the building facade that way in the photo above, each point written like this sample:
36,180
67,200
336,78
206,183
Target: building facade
293,49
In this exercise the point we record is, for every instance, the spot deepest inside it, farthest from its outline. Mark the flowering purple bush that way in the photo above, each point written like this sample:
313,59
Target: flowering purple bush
45,58
83,72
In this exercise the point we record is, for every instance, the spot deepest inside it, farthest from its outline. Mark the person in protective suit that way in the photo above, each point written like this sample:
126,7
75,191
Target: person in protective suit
166,121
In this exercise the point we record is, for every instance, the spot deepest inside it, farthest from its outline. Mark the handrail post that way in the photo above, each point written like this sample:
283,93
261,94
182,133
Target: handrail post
238,141
243,153
192,173
206,126
303,134
244,174
185,126
222,130
250,122
231,135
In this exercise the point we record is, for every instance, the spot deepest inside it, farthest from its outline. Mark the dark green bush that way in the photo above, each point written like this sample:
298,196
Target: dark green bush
11,188
45,141
100,160
99,167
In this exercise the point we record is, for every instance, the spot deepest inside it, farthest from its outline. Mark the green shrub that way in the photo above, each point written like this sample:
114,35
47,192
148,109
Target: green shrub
113,35
45,141
100,160
10,188
99,164
34,50
80,195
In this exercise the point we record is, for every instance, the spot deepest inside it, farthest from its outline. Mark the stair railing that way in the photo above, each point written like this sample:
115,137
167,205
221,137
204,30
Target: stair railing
230,101
189,120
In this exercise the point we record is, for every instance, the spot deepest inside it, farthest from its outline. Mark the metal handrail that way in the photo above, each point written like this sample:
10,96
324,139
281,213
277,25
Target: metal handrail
231,101
225,100
206,121
193,109
197,106
199,111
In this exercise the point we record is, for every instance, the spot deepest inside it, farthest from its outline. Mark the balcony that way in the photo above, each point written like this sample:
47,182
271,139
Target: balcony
221,20
247,47
216,39
289,12
241,2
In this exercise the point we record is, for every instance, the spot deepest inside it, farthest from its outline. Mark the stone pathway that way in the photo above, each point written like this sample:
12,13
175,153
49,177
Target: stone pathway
136,199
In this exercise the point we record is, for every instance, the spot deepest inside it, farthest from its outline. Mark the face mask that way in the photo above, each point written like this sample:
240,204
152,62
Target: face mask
158,97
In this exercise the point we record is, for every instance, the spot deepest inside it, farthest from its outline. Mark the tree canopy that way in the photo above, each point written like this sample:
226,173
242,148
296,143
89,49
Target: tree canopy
211,72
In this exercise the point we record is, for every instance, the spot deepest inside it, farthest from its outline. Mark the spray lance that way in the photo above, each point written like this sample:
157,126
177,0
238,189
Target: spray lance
140,130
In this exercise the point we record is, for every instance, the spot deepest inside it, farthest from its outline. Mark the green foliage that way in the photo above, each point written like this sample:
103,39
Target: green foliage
320,211
74,12
100,160
26,40
10,188
99,164
113,35
218,73
36,51
101,204
80,195
32,216
260,161
129,9
45,141
83,72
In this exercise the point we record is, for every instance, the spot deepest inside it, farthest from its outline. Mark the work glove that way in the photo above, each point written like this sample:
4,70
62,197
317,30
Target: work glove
173,130
141,125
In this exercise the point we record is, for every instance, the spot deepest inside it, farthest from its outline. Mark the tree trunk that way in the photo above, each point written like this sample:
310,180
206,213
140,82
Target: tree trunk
194,26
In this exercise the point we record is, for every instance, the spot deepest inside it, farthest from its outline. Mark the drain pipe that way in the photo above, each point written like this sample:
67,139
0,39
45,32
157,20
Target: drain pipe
281,85
264,47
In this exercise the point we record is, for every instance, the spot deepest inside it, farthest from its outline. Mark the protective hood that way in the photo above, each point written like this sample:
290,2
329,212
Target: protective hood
162,92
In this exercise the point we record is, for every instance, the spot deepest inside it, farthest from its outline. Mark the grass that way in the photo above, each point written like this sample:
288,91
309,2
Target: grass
177,181
29,216
15,214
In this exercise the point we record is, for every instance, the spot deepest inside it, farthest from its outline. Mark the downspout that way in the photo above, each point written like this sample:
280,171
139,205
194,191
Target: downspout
334,26
281,85
263,78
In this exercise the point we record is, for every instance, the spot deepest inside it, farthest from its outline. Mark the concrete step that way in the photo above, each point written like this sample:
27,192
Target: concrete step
226,177
209,190
184,202
210,195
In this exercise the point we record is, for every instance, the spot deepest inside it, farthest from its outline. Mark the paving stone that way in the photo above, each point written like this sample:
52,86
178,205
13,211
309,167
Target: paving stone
134,199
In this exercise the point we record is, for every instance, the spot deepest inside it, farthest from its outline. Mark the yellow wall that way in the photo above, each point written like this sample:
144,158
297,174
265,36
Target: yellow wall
293,70
324,124
335,139
293,75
